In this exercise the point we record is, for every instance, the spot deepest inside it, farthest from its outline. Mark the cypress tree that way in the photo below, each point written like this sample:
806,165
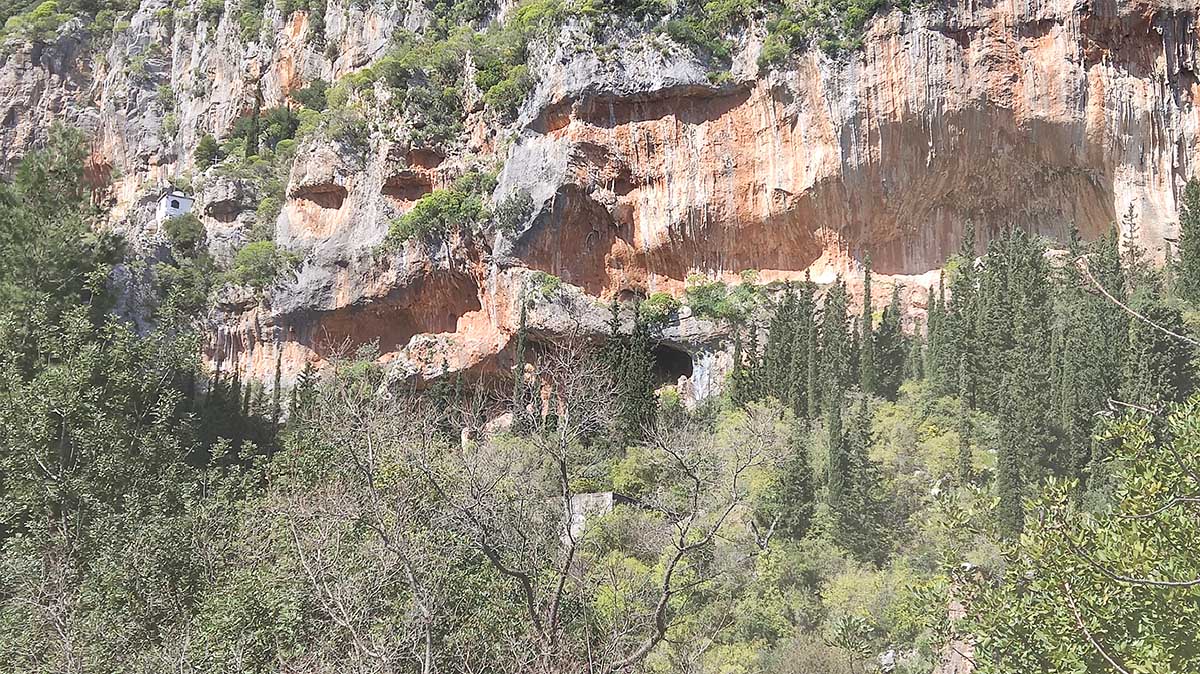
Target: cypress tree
1029,361
1009,483
966,470
520,398
795,493
935,339
960,319
859,517
839,462
304,390
889,350
835,341
1187,278
778,357
914,358
798,377
1089,344
868,373
813,353
1158,366
995,327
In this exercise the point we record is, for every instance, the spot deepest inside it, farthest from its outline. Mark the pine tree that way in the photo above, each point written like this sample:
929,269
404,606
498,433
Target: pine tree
868,368
1187,280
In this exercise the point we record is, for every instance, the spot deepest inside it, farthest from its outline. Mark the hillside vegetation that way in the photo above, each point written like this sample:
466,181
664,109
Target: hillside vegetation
1032,457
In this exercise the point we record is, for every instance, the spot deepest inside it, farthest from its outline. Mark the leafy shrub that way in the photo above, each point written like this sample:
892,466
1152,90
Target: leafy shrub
514,211
545,284
258,264
313,96
250,19
435,215
714,299
39,24
170,126
509,93
208,152
659,306
278,124
211,10
185,232
439,212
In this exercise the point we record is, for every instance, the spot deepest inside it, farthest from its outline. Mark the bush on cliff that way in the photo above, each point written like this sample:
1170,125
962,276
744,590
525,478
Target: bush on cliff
258,264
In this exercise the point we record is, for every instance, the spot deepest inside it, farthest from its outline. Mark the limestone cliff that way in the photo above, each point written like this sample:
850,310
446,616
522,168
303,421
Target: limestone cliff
1047,114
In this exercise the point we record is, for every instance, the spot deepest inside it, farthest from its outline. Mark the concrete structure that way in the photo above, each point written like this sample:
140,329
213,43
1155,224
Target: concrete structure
172,203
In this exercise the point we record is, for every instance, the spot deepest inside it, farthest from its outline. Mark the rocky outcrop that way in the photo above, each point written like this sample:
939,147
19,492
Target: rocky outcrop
1046,114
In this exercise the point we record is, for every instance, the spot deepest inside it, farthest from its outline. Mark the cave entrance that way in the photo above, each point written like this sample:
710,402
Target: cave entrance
670,364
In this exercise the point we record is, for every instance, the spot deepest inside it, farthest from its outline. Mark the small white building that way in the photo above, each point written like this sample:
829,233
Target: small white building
172,203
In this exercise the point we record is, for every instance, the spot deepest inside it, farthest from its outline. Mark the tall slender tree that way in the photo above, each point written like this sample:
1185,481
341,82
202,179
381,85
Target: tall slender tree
1187,276
868,367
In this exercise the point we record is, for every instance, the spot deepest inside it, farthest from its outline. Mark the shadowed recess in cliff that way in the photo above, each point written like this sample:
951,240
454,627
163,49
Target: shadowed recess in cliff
329,196
430,305
670,364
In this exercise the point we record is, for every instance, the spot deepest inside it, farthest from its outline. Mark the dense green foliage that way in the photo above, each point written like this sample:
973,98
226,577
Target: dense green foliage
459,208
1096,589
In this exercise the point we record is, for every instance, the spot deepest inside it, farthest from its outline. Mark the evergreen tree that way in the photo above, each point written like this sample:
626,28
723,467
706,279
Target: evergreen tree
304,391
914,358
778,376
1158,365
966,470
1010,484
868,368
1089,343
792,499
803,360
1030,359
637,404
839,461
890,350
836,345
520,397
813,388
1187,281
859,515
935,338
960,321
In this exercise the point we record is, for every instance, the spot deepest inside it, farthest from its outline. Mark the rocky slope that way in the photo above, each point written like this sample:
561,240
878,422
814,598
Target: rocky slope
1048,114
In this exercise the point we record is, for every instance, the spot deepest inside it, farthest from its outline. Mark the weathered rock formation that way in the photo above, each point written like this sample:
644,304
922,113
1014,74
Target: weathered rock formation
1046,114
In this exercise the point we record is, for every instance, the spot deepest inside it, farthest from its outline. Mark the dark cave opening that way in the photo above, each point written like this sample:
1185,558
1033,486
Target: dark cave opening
670,364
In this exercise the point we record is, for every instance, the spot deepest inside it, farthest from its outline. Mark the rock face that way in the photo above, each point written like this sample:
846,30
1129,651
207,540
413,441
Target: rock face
1045,114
